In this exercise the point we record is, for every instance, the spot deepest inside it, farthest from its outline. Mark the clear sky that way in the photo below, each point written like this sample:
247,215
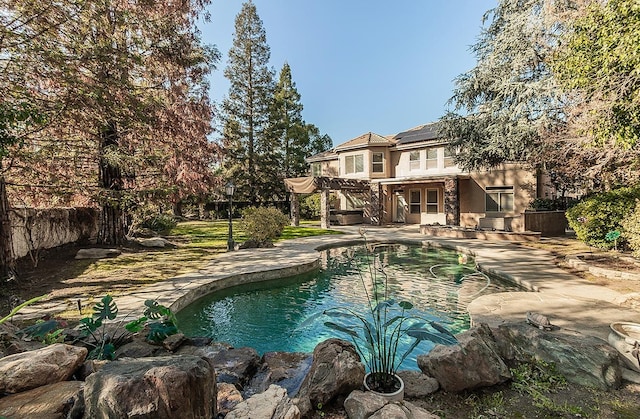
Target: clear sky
361,65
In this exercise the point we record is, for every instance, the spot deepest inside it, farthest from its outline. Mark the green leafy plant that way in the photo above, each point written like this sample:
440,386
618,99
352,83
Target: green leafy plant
377,334
631,229
46,331
262,224
160,320
21,306
613,236
594,216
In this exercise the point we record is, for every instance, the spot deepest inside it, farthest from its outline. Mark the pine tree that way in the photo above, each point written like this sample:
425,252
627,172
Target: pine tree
246,109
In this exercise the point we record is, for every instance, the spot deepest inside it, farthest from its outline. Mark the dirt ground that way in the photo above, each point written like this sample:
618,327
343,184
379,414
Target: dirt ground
57,269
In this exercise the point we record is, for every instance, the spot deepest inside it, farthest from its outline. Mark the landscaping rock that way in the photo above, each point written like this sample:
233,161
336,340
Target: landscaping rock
137,349
285,369
173,342
336,370
584,360
28,370
417,385
228,398
474,362
97,253
236,366
365,404
58,400
158,242
272,404
88,367
163,387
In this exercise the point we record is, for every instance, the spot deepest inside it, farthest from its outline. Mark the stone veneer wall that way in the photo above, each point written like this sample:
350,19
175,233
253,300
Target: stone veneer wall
36,229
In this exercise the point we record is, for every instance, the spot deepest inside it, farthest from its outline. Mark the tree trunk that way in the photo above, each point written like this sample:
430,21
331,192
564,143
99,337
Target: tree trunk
7,259
112,218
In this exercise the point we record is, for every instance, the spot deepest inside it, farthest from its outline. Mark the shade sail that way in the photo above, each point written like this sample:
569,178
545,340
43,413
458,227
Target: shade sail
301,184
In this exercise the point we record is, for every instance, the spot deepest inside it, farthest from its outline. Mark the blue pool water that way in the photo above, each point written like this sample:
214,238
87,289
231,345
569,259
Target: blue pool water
267,316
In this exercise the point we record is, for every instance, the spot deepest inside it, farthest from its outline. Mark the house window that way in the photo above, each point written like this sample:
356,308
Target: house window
414,160
316,169
414,201
432,201
354,164
432,158
499,199
377,163
449,158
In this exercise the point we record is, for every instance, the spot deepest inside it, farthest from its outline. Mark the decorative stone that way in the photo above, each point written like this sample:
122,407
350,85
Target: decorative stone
88,367
272,404
173,342
236,366
365,404
51,364
56,400
158,242
137,349
418,385
285,369
160,388
228,398
336,371
474,362
97,253
585,360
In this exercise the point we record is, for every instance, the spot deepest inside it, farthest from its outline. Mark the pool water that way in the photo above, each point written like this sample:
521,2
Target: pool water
268,316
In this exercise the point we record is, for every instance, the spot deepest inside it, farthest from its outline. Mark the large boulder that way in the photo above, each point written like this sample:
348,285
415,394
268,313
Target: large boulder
366,404
472,363
236,366
585,360
163,387
51,364
272,404
58,400
286,369
336,371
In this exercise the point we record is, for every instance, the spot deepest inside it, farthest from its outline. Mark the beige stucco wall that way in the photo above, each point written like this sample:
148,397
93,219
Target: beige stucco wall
472,195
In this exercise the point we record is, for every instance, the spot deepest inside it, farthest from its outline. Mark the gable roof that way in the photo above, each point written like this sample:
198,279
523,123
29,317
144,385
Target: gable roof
427,132
365,140
323,156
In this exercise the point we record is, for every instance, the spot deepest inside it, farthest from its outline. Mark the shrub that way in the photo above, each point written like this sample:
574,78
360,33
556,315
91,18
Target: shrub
595,216
263,224
631,229
310,207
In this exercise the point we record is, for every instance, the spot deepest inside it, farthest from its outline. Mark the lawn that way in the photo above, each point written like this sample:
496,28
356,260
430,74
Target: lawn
194,243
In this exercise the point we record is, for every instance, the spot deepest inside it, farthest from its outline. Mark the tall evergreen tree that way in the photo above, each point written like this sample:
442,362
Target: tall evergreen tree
246,109
502,106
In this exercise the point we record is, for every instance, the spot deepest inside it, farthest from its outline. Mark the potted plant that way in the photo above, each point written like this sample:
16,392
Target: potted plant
377,333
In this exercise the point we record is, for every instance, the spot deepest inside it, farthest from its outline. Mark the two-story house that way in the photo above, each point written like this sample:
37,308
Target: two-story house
412,177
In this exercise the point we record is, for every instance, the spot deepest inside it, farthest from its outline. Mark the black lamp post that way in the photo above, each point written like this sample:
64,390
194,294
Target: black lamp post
230,188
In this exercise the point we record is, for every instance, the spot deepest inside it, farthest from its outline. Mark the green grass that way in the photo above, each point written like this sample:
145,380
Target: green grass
214,234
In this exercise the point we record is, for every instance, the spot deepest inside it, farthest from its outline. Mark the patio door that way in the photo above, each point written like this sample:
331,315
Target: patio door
400,213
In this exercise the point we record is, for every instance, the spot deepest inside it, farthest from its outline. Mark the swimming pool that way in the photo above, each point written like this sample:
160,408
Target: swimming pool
440,283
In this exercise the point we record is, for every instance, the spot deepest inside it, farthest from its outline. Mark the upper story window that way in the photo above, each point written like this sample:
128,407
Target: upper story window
432,158
499,199
377,162
316,169
354,164
449,158
414,160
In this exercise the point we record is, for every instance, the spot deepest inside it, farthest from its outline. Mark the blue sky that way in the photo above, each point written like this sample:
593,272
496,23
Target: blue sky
361,65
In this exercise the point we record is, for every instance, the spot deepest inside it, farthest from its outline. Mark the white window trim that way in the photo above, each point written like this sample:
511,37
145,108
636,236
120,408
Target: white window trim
508,190
353,156
411,162
428,204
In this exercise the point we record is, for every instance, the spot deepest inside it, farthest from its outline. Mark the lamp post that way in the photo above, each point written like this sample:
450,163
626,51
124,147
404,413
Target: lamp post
230,188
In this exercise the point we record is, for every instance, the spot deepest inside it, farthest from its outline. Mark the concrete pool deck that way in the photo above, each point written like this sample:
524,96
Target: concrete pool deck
569,301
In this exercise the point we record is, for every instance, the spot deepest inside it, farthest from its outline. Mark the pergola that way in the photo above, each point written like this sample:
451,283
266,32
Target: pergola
324,185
